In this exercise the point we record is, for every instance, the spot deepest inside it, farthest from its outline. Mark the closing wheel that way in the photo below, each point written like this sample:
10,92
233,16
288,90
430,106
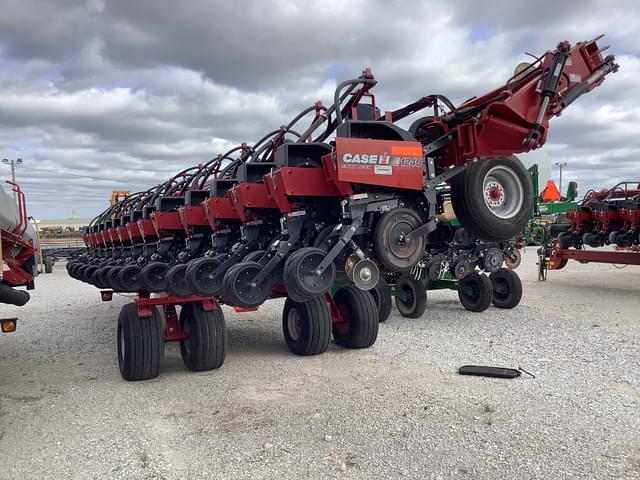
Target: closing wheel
507,288
393,246
513,259
493,198
411,297
475,292
140,343
48,264
254,256
301,273
358,310
99,277
306,326
200,277
381,294
153,277
240,287
89,272
292,291
129,278
176,279
112,279
206,343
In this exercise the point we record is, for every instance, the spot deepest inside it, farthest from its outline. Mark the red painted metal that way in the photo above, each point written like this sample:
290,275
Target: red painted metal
173,332
296,181
192,216
250,196
165,222
218,209
387,163
146,228
559,256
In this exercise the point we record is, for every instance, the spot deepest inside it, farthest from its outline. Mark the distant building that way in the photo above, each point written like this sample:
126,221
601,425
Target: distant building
59,226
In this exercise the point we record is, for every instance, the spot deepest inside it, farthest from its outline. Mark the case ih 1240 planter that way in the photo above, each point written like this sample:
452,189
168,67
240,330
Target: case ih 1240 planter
335,211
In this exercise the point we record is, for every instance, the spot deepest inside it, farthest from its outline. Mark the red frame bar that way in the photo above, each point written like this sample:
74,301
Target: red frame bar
594,256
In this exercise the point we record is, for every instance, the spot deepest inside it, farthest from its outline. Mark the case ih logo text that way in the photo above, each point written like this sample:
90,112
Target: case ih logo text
373,159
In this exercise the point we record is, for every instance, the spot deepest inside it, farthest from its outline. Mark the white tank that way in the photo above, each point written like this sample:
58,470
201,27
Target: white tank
9,216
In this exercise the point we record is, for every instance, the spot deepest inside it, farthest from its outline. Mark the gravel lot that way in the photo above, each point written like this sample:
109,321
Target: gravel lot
397,410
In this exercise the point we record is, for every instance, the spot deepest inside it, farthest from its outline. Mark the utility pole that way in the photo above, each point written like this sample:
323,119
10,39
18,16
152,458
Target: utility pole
13,164
561,165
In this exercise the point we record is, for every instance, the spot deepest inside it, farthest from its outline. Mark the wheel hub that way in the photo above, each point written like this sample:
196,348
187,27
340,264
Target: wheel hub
503,192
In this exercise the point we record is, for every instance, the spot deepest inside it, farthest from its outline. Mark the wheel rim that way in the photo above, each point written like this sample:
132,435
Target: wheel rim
399,244
502,192
307,279
294,324
177,280
154,277
410,299
244,290
474,286
204,278
130,278
502,292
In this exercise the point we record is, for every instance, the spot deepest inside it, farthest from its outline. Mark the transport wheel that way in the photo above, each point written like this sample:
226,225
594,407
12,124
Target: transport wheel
306,326
206,343
48,265
476,292
200,277
397,252
381,294
176,279
129,278
507,288
301,273
254,256
140,343
493,198
112,278
239,285
358,308
411,300
153,277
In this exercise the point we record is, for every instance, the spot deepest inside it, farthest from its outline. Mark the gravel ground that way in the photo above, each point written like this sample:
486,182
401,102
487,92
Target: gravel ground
397,410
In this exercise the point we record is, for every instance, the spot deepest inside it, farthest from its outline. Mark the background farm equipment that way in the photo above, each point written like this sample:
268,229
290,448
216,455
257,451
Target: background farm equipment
324,212
18,249
607,218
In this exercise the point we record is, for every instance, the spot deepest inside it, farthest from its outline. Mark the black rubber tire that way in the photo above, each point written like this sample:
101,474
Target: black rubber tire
314,319
176,281
482,295
385,229
100,277
360,308
509,291
48,264
140,344
292,292
129,278
416,303
254,256
237,287
206,347
467,198
381,294
153,277
112,279
195,269
306,259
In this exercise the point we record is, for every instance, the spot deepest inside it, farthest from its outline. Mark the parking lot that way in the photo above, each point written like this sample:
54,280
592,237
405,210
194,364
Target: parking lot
397,410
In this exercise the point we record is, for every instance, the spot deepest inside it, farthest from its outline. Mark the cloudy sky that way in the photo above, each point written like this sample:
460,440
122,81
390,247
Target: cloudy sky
100,95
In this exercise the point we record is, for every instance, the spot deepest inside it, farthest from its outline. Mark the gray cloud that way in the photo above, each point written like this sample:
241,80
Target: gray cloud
126,93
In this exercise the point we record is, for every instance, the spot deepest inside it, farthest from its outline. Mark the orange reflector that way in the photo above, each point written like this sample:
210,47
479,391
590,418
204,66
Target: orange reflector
243,310
8,325
407,151
106,295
